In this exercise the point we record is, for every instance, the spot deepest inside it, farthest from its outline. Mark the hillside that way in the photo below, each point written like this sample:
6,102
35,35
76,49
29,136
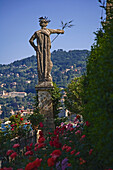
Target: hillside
21,76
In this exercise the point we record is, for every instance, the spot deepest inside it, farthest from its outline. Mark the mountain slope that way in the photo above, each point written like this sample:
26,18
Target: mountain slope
22,75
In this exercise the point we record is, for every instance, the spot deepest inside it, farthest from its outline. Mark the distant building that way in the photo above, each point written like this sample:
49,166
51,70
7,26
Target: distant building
0,109
26,112
3,84
5,94
71,67
12,112
17,94
17,75
67,70
28,81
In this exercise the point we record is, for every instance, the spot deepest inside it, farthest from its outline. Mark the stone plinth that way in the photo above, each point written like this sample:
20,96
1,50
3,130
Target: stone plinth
45,103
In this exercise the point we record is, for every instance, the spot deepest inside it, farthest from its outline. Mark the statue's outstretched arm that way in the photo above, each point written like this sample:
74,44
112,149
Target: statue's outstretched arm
32,41
58,31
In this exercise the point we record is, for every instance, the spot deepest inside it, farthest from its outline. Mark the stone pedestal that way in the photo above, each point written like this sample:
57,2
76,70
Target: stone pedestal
45,104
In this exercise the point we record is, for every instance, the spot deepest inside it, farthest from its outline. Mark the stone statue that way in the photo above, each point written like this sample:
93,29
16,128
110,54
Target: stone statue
42,36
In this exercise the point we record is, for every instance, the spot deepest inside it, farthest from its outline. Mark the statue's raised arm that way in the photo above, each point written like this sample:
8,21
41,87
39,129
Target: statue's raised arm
56,31
42,48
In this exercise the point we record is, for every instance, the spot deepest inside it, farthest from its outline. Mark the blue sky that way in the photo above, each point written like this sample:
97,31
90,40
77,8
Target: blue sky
19,20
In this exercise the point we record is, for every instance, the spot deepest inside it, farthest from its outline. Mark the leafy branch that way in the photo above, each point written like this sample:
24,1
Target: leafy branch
64,25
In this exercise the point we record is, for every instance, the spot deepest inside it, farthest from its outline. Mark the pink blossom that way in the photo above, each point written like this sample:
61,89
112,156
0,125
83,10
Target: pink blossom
35,149
72,152
13,155
36,144
90,152
77,132
9,151
29,153
16,145
82,137
64,147
77,153
68,149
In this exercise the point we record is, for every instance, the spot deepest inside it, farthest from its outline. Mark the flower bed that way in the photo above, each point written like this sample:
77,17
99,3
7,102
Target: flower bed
65,148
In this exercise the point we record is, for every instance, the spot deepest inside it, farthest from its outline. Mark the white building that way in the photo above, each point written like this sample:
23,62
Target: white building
17,94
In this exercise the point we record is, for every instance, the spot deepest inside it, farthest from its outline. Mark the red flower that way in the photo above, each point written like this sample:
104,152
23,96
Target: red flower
41,145
28,148
36,144
77,132
41,140
82,161
21,119
77,153
68,164
90,152
29,153
51,143
41,133
71,129
35,149
29,166
50,162
9,151
87,123
31,144
16,145
49,133
64,147
78,116
41,124
68,149
16,116
37,162
82,137
6,168
55,154
73,151
13,155
33,165
12,125
56,143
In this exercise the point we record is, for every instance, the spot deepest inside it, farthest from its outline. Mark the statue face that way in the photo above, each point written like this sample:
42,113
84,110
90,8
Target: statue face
43,23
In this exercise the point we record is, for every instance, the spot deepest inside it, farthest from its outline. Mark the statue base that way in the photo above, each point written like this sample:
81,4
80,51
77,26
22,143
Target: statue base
45,104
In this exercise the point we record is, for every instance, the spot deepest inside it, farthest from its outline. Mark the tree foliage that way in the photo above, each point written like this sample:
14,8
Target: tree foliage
73,98
56,97
99,92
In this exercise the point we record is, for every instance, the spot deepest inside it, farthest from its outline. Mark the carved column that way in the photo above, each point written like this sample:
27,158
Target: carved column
45,104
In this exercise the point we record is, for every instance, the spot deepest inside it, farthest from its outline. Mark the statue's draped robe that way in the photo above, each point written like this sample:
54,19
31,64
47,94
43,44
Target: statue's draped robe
44,63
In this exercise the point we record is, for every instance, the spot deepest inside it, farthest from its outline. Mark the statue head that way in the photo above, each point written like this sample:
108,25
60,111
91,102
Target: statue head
43,21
